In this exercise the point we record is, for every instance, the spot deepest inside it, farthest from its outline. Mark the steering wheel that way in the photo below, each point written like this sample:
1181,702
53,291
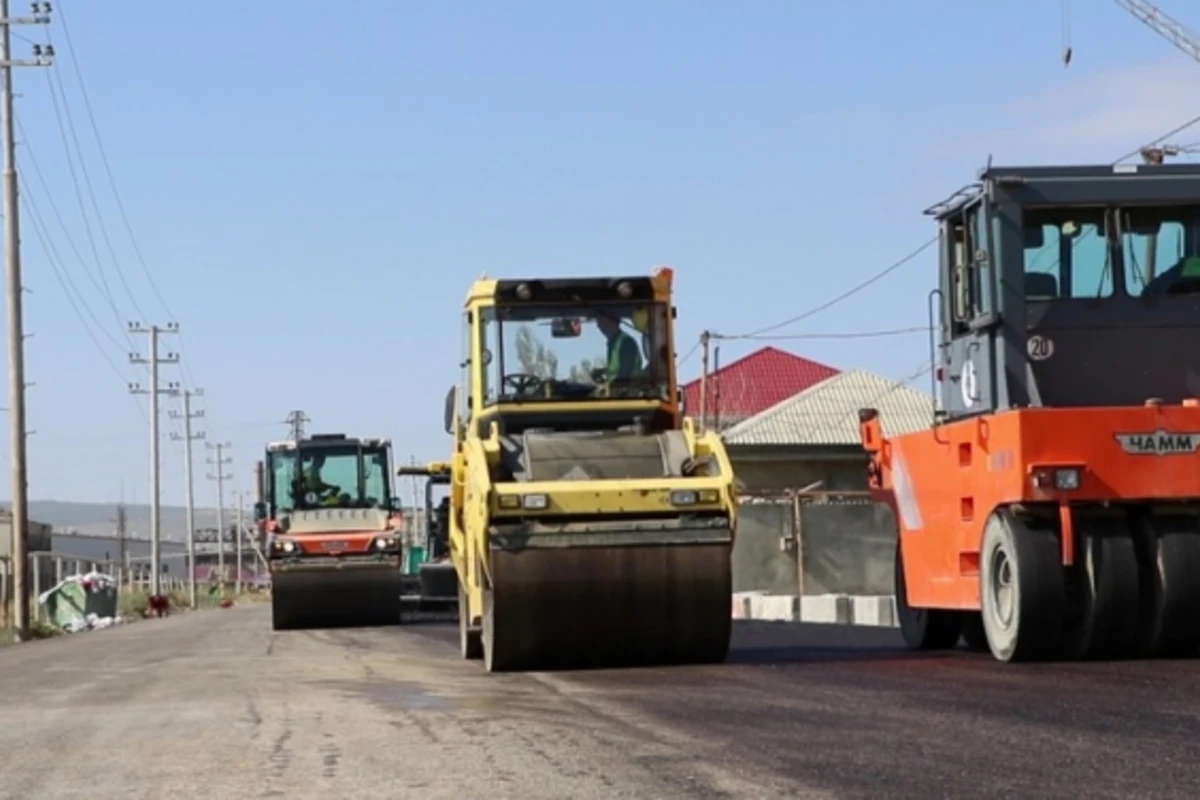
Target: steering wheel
522,382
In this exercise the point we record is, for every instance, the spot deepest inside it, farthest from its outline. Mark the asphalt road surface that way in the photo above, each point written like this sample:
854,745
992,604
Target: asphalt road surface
214,704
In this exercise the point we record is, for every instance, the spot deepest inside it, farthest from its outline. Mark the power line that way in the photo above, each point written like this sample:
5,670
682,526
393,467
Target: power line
846,335
49,195
896,265
112,182
873,279
51,83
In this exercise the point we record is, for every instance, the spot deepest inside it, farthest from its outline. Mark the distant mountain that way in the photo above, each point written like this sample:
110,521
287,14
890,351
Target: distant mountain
99,519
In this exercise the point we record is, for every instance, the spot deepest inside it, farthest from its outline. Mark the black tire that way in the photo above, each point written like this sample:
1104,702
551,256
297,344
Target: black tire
1170,563
1108,605
470,638
923,628
1021,588
973,634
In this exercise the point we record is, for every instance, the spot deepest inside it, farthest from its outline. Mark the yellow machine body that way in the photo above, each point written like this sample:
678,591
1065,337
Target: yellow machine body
591,524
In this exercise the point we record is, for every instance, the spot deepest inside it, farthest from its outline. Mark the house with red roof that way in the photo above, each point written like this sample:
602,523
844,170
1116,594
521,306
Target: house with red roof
791,423
750,385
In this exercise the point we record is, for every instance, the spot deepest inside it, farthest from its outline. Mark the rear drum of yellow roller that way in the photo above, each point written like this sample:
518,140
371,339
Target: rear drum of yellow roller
334,598
607,606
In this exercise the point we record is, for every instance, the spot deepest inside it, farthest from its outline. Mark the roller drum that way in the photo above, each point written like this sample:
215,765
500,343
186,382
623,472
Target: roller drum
329,598
608,606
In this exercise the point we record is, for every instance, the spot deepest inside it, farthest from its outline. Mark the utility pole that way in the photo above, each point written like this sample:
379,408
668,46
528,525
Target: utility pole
122,533
220,477
705,336
43,56
187,438
155,390
239,543
296,419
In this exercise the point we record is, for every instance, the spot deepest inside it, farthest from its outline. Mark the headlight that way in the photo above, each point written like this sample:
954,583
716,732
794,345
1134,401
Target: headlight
1066,479
535,502
1062,479
287,546
385,543
685,497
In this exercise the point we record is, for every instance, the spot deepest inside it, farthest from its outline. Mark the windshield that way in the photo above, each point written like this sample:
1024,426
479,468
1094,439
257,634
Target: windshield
539,352
1074,253
1156,246
1067,255
330,477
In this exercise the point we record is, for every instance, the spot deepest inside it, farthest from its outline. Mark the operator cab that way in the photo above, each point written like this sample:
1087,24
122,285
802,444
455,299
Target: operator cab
568,354
1069,286
327,471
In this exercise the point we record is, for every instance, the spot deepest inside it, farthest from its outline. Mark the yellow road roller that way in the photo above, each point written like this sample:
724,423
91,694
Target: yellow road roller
590,523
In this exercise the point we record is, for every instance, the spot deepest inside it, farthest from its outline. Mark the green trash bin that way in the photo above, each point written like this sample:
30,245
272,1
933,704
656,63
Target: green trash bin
413,559
68,605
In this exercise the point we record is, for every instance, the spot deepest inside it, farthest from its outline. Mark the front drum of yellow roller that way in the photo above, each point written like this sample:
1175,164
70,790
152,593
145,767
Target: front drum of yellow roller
608,599
332,596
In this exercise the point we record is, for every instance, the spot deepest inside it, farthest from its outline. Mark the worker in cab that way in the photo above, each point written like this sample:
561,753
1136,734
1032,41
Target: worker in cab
313,490
624,356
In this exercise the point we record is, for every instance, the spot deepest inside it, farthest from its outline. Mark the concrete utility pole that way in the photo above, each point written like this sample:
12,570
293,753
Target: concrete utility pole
296,419
43,56
239,542
705,338
220,477
187,438
155,391
122,533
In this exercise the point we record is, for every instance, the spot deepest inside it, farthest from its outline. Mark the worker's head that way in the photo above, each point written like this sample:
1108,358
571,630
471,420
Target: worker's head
607,325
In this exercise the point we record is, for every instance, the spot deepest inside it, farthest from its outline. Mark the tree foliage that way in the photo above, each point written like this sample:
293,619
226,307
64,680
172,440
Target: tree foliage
537,359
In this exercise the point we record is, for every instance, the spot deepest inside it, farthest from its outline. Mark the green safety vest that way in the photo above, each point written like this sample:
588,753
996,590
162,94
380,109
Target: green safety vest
622,341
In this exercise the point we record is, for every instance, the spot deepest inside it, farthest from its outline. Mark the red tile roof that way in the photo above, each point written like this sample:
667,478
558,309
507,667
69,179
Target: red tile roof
754,383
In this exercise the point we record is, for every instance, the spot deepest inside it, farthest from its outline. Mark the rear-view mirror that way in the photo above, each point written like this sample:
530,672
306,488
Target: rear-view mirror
451,410
260,511
1035,238
565,328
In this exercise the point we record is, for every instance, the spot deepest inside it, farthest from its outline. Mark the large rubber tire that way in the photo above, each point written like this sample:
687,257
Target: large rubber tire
923,628
470,639
1170,590
1021,588
1107,607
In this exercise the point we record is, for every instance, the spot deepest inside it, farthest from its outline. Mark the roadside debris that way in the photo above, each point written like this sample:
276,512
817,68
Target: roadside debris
82,602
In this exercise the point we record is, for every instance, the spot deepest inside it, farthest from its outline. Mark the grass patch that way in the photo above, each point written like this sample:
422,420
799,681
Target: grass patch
37,630
133,604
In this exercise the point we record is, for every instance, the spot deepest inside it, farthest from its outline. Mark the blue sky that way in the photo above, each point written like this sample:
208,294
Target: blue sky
314,188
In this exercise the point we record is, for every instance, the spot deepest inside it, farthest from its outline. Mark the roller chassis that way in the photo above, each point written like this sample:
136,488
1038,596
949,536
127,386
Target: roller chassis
1051,511
609,571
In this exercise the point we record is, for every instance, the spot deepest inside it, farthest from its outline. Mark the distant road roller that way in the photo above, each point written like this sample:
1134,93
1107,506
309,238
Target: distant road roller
1052,508
334,532
590,523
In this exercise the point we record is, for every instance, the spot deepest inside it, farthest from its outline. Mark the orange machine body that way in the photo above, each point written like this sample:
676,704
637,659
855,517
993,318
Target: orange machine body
943,483
338,543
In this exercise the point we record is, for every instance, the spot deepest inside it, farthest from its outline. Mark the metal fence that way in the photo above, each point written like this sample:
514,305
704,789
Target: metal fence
814,543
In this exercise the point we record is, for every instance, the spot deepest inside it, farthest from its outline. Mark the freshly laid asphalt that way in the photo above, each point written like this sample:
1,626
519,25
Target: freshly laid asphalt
215,704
